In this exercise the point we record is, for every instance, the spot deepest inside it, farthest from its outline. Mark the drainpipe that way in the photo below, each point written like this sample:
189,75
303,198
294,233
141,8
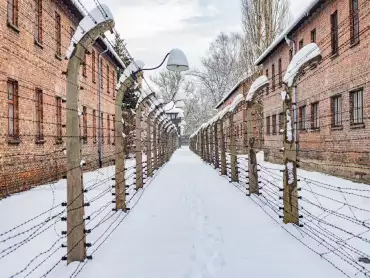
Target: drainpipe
99,106
289,42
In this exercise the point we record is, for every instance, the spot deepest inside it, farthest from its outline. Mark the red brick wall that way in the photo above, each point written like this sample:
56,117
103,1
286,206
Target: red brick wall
328,147
27,163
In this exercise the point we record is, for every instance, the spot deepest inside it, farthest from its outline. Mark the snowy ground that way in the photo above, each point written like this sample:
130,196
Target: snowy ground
335,213
188,222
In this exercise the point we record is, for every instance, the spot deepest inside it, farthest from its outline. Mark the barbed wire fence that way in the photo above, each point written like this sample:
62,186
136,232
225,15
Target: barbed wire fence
37,238
327,214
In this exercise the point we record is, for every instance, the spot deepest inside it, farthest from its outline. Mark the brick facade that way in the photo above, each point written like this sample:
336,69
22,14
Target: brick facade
340,148
239,118
27,159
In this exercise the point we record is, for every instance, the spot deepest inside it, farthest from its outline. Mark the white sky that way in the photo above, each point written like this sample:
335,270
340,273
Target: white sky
152,28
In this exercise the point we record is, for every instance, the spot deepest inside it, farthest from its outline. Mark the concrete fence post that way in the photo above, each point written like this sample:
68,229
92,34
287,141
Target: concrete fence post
155,146
222,148
215,139
211,145
149,150
138,148
252,158
233,156
76,239
75,193
290,196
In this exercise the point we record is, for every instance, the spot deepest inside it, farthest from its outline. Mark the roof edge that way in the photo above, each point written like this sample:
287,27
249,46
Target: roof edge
312,7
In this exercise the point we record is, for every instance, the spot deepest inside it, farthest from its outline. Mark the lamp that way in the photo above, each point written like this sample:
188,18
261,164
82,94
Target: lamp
177,61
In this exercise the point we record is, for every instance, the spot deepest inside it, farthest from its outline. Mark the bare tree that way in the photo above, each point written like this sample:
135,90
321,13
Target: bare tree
263,21
170,84
222,66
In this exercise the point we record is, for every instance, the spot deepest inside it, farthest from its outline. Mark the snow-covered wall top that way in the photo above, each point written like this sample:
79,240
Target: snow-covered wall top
245,78
304,14
303,57
258,84
88,23
134,66
237,100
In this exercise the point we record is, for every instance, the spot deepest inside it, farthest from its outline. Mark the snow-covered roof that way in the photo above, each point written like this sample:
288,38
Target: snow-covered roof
237,100
258,84
308,53
240,82
300,18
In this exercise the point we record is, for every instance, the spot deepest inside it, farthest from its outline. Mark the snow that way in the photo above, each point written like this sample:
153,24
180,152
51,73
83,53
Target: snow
258,84
304,56
132,67
27,246
289,132
289,167
188,222
87,24
283,95
241,81
237,100
303,15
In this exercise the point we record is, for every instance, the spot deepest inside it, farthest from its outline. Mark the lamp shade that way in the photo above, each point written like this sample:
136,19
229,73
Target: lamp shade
177,61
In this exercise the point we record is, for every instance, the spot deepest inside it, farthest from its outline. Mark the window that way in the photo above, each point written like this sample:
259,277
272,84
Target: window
290,54
13,12
273,124
268,125
315,115
84,66
114,129
13,120
313,35
84,122
102,126
38,21
39,115
336,111
93,65
58,35
268,86
280,73
108,79
108,125
113,83
94,126
354,18
59,118
302,118
357,107
334,33
281,123
301,44
273,77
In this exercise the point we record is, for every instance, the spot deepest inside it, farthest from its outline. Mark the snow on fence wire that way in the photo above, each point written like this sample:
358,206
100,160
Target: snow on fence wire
327,214
34,242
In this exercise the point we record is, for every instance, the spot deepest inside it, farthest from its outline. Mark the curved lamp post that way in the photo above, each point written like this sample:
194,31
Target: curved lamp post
177,62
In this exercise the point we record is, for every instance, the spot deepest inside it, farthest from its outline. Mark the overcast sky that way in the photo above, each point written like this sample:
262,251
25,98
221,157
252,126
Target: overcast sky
152,27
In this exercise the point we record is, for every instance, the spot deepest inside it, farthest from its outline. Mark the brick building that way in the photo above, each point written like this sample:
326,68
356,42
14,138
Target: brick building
33,41
333,97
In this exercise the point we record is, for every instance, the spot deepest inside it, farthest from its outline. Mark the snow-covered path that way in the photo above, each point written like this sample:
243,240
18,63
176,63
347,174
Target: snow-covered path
191,223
